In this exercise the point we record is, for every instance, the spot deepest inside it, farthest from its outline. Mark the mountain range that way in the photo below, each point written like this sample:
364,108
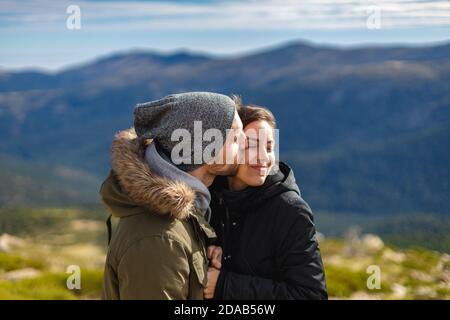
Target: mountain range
366,129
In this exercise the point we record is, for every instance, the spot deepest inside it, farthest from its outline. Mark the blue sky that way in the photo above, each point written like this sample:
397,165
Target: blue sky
34,34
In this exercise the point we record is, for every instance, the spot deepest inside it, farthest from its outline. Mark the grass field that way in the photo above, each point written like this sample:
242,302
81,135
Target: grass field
38,245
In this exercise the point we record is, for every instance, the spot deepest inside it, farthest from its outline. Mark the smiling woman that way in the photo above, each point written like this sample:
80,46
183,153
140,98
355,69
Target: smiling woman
264,226
259,156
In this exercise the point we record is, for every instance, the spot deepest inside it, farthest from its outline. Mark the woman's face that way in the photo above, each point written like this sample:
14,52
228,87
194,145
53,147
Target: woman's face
259,153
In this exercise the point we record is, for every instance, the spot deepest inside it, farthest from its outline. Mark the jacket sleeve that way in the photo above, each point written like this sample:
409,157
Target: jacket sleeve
298,261
154,268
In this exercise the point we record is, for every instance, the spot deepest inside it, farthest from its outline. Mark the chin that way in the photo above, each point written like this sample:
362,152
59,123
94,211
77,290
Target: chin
256,181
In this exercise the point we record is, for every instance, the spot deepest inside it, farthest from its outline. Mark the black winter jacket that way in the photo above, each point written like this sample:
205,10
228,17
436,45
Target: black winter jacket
267,233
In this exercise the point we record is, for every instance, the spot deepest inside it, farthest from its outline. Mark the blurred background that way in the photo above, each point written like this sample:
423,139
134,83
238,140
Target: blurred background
360,90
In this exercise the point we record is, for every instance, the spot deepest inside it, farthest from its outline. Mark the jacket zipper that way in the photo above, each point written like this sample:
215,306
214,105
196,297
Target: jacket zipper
224,228
227,232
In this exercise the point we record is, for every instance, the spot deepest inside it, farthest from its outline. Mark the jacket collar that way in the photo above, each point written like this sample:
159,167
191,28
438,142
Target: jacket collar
144,187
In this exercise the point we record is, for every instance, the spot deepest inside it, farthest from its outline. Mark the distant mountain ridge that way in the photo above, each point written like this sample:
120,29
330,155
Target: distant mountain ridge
366,129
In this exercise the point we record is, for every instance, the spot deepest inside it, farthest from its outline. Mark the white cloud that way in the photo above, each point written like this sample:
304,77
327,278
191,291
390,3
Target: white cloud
228,15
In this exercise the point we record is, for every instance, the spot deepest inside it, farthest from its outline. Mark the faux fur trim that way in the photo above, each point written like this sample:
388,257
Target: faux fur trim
160,195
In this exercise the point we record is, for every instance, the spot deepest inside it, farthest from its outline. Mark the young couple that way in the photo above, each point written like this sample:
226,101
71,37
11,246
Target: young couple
208,229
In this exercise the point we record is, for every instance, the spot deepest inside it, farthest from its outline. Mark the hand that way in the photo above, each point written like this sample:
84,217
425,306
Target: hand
215,256
213,275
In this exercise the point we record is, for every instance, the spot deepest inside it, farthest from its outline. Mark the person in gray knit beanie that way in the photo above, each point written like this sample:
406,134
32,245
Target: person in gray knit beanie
163,246
158,119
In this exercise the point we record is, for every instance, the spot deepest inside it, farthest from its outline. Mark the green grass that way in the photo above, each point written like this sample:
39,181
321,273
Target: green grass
52,286
9,262
342,282
52,243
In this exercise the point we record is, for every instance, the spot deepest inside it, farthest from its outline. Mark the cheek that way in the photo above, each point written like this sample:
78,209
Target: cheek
245,173
251,156
233,147
244,170
228,152
272,158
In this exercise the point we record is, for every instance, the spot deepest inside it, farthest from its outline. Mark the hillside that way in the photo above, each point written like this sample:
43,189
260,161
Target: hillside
366,129
34,257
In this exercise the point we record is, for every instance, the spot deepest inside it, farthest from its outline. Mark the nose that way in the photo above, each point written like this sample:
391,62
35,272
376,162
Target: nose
263,157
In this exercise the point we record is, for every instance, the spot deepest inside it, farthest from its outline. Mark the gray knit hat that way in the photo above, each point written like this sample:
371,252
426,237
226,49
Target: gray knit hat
158,119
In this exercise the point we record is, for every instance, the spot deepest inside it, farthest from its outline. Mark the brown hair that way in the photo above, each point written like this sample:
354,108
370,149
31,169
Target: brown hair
252,112
237,100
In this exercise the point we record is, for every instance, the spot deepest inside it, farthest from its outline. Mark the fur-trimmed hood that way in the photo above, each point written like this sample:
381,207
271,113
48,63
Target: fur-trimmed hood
132,183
